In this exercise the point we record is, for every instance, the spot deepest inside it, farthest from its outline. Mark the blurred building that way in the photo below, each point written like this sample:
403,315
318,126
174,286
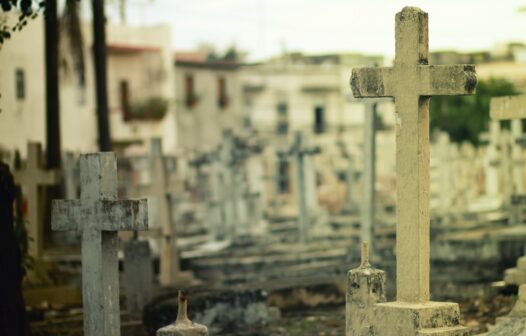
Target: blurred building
141,90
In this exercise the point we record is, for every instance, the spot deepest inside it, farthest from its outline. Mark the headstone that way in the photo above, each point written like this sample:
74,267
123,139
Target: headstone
183,326
32,178
365,288
412,82
138,275
446,190
507,173
99,215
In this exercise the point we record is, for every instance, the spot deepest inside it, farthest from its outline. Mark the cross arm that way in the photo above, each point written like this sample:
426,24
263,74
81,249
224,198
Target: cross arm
104,215
443,80
370,82
510,107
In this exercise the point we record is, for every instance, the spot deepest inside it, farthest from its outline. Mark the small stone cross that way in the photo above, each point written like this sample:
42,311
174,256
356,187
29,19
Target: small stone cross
169,261
305,182
411,81
99,215
32,178
512,108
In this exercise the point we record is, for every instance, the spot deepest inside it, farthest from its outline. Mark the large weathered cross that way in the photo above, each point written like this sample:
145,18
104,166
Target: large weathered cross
32,178
98,215
169,260
411,81
512,108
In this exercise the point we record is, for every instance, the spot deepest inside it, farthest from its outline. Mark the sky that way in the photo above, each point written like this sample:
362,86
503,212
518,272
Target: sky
266,28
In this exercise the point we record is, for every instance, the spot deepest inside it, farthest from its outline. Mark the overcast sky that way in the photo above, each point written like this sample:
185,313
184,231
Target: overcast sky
267,27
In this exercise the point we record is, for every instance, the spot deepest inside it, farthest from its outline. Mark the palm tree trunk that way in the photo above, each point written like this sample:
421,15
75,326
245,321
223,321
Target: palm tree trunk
52,85
99,55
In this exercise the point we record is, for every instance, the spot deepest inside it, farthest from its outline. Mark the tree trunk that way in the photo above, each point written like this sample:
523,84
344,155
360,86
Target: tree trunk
52,84
99,55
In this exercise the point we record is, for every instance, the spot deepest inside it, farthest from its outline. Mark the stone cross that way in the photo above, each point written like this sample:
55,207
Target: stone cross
98,215
32,178
159,188
512,108
305,182
227,158
411,81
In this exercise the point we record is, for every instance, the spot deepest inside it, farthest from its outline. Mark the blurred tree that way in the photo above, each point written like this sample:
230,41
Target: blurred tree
465,117
29,9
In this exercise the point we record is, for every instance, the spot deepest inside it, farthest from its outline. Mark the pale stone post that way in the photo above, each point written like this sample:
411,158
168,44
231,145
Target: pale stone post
412,82
512,108
369,175
32,178
99,215
182,325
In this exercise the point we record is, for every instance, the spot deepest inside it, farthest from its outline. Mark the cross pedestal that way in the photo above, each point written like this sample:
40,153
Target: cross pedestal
411,81
32,178
98,215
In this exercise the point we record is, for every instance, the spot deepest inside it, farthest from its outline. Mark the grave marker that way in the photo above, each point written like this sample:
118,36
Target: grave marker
32,178
411,81
512,108
305,182
99,215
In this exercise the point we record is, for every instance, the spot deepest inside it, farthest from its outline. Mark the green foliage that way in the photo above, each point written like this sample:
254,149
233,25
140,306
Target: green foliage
153,108
29,10
465,117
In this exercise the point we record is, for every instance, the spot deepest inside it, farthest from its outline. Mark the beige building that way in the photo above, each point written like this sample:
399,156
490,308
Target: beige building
208,100
141,90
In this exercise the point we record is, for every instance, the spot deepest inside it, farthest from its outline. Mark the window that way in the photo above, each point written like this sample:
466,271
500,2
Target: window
189,89
319,119
20,84
283,177
81,83
283,118
222,99
124,92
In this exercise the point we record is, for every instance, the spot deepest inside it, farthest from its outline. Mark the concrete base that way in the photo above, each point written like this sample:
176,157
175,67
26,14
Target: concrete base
517,275
431,318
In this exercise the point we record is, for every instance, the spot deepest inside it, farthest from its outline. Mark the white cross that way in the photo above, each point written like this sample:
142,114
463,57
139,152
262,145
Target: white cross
99,215
411,81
